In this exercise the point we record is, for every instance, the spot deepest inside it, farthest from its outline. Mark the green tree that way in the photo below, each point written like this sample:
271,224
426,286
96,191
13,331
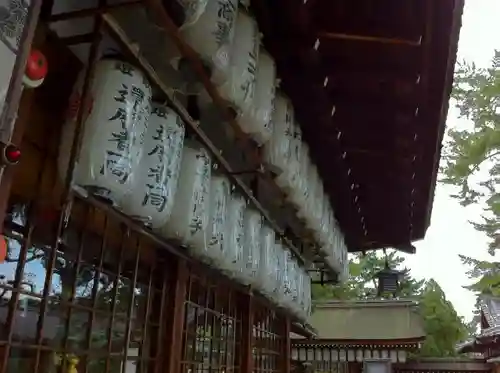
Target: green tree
443,327
485,277
472,155
471,163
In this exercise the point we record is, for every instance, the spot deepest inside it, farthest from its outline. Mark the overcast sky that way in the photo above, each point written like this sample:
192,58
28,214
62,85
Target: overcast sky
450,233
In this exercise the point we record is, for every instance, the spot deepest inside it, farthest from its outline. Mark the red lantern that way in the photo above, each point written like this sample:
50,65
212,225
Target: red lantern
36,69
11,154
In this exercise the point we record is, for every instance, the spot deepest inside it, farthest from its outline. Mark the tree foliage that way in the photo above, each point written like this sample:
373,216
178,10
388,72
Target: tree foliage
472,155
472,164
485,276
443,326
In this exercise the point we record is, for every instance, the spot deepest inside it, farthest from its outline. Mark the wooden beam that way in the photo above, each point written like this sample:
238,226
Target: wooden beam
81,13
373,39
452,365
400,343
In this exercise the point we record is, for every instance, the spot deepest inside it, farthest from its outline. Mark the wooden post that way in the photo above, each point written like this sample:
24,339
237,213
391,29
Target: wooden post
247,333
175,323
287,346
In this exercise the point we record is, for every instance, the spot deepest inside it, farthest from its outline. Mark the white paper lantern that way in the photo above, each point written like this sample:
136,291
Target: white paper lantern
220,190
337,257
314,207
323,234
252,245
294,286
279,276
193,10
233,243
306,287
114,130
329,228
312,180
277,151
341,264
289,179
152,198
256,121
284,291
344,262
239,87
212,35
267,268
189,219
333,250
300,194
301,299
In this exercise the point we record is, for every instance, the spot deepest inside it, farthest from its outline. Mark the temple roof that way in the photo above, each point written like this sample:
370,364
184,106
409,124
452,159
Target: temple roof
490,325
364,321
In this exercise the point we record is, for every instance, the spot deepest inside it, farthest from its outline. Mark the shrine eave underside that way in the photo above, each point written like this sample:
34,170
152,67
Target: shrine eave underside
370,86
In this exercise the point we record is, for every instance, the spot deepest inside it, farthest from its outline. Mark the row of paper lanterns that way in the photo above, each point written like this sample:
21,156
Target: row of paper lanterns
135,155
227,38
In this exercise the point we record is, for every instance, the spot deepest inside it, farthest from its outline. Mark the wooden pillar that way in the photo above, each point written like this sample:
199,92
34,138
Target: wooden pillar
175,324
247,322
286,355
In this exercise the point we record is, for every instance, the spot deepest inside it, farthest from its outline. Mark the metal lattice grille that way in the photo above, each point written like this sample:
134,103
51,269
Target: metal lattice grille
212,326
96,304
267,341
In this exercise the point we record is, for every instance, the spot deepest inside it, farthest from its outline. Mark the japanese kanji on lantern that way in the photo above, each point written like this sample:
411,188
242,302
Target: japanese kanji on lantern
232,247
252,223
256,119
289,180
267,281
152,197
239,87
300,193
190,213
114,129
277,151
220,192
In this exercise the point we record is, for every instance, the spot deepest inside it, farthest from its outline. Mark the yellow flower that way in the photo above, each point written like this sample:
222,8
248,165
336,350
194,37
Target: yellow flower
72,362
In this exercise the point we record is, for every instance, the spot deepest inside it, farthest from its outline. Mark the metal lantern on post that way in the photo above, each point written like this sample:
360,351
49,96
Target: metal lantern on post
388,280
